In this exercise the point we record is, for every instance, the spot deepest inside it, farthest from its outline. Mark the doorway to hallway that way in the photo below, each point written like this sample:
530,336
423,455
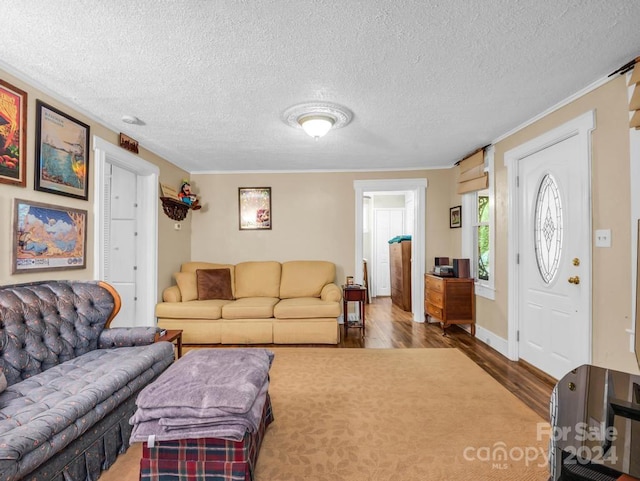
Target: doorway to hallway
414,217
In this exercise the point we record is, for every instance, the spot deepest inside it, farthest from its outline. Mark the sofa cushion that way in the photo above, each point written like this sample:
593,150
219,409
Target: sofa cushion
305,278
250,308
214,284
210,309
194,266
48,411
257,279
306,308
187,284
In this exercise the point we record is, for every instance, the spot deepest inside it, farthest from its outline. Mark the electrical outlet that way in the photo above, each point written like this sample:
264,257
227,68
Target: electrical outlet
603,238
177,226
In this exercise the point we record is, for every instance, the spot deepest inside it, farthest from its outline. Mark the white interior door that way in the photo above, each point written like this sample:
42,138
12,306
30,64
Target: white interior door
388,223
121,248
554,258
147,174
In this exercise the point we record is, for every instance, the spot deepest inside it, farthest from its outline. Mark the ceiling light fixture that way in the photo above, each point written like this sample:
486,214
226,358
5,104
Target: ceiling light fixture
316,125
317,118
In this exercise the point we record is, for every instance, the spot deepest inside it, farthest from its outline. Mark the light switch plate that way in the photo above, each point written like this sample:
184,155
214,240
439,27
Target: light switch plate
603,238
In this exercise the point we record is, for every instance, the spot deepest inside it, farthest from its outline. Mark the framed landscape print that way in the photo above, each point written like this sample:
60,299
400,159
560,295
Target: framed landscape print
62,153
13,135
254,208
48,237
455,217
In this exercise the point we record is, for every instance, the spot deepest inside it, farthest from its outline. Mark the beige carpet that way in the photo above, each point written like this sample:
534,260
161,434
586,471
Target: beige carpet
395,414
388,414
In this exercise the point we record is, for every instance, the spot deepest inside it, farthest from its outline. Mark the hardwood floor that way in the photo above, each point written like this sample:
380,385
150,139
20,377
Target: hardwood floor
387,326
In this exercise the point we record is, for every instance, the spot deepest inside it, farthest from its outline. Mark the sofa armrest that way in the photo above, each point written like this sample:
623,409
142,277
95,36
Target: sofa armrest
171,294
331,292
126,337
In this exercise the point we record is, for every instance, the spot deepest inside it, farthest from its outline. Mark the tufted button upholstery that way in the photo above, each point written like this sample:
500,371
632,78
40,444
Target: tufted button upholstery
65,372
54,407
48,323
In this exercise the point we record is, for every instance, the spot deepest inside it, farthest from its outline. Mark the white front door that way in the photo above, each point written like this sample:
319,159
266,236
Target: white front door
554,258
388,223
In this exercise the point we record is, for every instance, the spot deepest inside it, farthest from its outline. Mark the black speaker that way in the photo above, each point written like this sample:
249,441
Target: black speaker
461,268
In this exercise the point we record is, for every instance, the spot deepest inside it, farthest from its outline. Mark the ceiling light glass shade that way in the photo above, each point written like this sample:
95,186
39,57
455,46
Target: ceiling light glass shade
317,118
316,125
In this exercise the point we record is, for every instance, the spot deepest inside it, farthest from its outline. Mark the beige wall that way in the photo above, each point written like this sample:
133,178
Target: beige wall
173,246
388,202
612,297
313,217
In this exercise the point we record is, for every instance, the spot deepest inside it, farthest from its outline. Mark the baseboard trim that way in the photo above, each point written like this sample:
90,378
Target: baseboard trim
490,339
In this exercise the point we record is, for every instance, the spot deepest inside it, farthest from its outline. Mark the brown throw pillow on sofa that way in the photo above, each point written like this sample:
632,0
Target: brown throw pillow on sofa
214,284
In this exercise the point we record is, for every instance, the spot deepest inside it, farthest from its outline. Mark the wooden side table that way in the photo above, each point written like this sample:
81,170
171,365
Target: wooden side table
170,336
354,294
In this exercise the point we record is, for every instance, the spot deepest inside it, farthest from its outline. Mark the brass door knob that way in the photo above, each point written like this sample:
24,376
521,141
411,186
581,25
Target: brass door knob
574,280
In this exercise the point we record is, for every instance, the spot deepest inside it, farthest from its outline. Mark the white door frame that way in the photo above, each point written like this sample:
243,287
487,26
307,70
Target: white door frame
634,150
419,188
580,126
147,250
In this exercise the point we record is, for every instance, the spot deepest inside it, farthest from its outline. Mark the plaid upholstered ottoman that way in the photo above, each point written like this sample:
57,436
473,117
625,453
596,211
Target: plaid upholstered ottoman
205,459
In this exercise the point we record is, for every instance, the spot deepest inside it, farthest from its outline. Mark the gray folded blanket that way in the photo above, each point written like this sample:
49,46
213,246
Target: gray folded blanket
207,393
206,381
231,426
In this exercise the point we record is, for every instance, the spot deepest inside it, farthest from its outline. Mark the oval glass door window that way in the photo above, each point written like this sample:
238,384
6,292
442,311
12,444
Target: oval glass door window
548,228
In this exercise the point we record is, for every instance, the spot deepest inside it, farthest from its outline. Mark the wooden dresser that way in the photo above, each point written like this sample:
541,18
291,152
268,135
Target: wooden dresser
400,265
450,300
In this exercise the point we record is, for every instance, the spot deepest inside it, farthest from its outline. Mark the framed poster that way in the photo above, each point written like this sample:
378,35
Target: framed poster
62,153
455,217
13,135
254,205
48,237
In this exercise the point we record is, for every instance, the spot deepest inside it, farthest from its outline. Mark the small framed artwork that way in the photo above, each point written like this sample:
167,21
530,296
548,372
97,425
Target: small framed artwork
254,205
13,135
62,153
455,217
48,237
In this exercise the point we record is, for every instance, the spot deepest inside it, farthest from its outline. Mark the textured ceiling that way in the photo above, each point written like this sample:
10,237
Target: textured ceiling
428,81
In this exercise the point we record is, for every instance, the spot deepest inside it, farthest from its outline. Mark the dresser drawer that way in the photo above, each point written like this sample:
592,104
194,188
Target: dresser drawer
436,298
435,284
434,311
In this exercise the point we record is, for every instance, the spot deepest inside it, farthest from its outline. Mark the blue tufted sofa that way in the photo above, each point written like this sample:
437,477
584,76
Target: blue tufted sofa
71,382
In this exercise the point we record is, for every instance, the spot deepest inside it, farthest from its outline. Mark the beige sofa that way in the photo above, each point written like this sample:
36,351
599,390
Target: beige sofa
294,302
